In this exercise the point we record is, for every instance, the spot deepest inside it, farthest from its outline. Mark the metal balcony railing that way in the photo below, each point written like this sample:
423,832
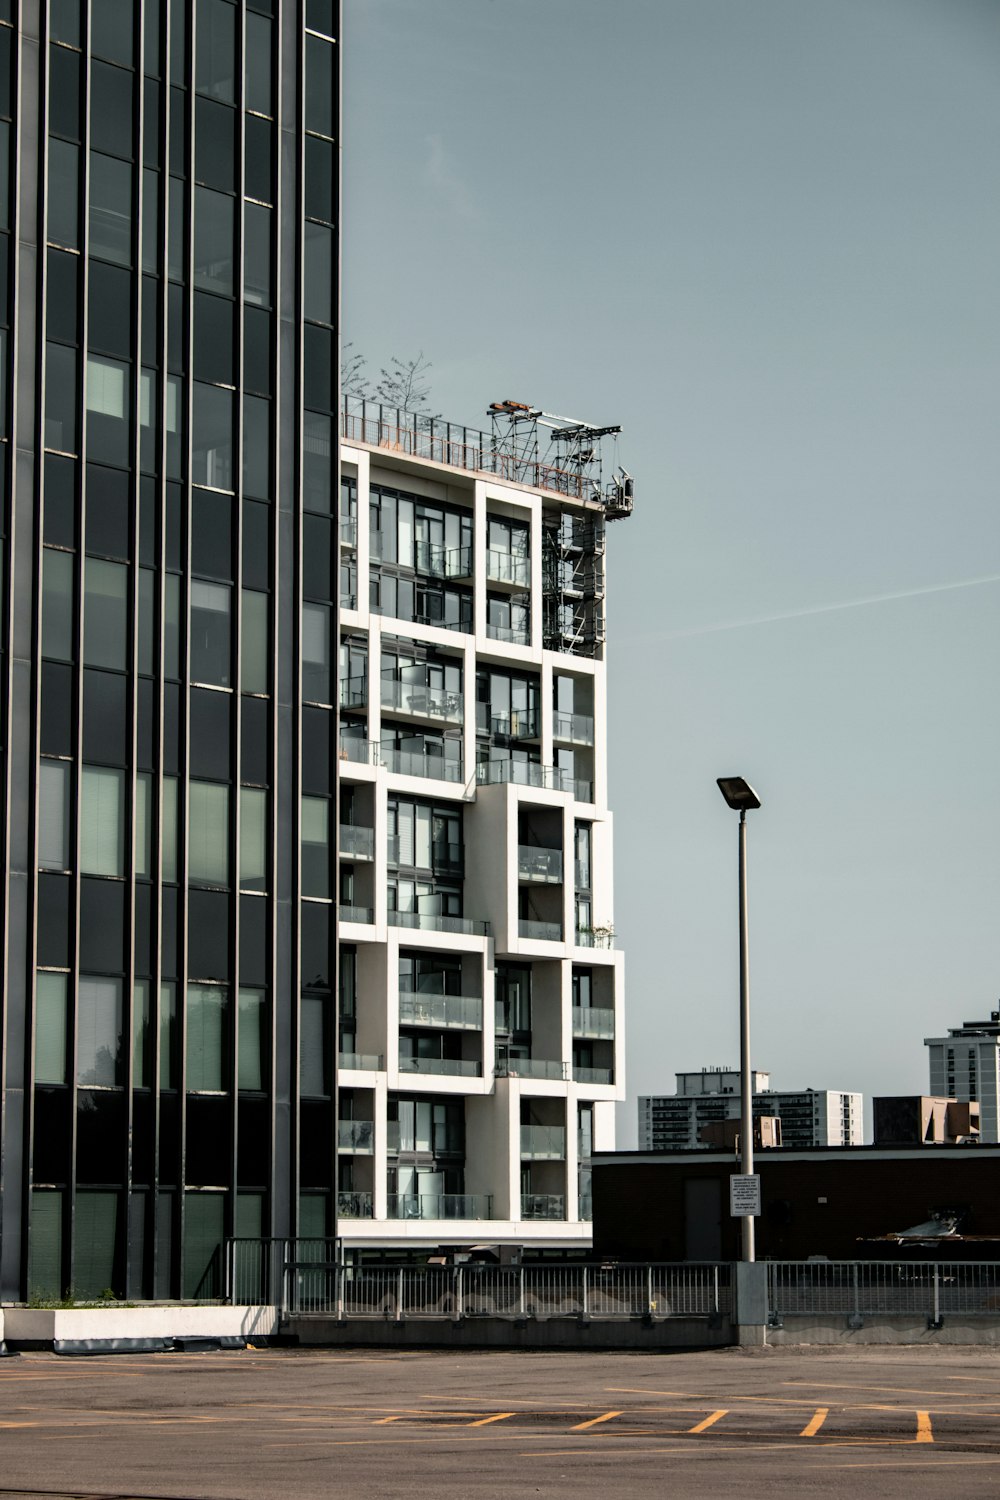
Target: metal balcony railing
545,932
357,1136
456,1012
575,729
363,914
360,1062
543,1206
421,763
532,1067
592,1022
440,1206
433,921
356,841
543,865
593,1075
543,1142
422,701
508,567
354,1206
448,1067
531,773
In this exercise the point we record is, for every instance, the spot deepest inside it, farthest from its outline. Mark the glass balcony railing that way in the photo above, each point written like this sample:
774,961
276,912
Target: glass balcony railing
574,729
354,1206
448,1067
543,1142
442,562
508,567
531,773
543,865
501,1017
593,1075
375,544
357,1136
592,1022
440,1205
514,635
433,921
360,752
349,531
543,1206
456,1012
360,1062
532,1067
363,914
353,692
595,937
422,763
544,932
356,841
445,858
518,724
422,701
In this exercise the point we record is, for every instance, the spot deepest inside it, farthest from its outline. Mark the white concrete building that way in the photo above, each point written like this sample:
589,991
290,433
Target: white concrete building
481,1002
965,1064
809,1117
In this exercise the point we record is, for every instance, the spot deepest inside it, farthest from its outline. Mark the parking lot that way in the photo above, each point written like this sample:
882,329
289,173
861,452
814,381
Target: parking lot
373,1423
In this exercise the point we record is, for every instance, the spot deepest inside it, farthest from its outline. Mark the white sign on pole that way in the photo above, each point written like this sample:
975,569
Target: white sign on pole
744,1194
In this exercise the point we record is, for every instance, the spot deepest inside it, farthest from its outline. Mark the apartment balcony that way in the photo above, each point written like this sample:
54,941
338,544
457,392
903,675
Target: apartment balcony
440,1206
356,1137
573,729
360,1062
349,531
519,724
443,562
422,702
446,859
593,1075
540,932
452,1012
353,692
512,635
591,1023
543,1206
595,937
507,567
421,763
355,841
355,1206
432,921
531,773
544,866
360,752
363,914
543,1142
447,1067
532,1067
348,600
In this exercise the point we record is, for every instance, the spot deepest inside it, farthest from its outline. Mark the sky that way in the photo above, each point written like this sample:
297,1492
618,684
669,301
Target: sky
764,237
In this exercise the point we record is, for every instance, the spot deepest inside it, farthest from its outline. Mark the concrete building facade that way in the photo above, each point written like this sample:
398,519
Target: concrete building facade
809,1117
965,1065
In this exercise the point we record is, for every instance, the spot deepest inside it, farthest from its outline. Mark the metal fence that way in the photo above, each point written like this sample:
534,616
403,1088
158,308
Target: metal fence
862,1288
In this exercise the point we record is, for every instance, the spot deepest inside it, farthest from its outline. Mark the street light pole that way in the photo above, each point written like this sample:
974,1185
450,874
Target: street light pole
741,797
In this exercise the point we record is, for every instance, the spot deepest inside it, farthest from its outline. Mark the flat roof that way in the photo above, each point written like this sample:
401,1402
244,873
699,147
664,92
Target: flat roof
990,1150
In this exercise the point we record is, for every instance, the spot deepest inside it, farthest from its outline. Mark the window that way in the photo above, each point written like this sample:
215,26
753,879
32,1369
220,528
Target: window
256,254
318,290
105,615
142,1035
212,437
215,50
168,1036
64,178
210,649
253,1050
208,833
258,64
53,814
316,685
50,1027
57,605
315,846
207,1013
313,1071
108,409
319,86
254,657
316,470
102,832
98,1032
253,839
60,398
110,209
213,241
143,831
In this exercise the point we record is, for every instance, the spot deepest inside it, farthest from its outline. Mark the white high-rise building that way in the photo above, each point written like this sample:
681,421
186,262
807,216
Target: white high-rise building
965,1064
481,1003
809,1117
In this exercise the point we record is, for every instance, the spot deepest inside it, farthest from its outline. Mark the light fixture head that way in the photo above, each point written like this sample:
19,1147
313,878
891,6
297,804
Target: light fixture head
738,793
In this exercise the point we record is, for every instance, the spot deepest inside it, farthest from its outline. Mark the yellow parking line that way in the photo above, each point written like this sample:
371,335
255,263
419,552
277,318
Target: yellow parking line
581,1426
709,1421
924,1431
815,1423
500,1416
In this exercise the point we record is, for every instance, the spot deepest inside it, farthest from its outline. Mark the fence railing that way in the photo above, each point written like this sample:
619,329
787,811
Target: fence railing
861,1288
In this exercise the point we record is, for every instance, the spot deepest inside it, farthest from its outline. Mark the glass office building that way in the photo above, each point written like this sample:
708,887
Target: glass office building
168,296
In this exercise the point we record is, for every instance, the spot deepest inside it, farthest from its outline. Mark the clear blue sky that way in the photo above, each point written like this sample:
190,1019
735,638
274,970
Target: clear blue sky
764,236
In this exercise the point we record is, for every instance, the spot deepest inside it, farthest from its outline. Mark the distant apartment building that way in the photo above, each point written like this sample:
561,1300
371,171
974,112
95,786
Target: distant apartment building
965,1065
912,1119
809,1117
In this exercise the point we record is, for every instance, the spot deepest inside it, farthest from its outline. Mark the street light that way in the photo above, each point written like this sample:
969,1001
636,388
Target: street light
741,796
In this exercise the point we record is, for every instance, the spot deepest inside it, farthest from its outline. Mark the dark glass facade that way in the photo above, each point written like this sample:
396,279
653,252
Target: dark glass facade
169,260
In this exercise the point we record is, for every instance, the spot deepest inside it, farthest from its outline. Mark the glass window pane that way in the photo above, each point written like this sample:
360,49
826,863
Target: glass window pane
98,1031
256,447
110,209
318,290
64,21
146,624
319,86
57,605
257,94
50,1027
143,834
252,1039
204,1222
210,648
213,338
60,398
316,635
105,614
317,481
64,189
176,210
256,254
207,1006
168,1036
253,839
212,437
150,221
95,1228
171,626
315,846
108,411
142,1035
168,830
254,653
215,50
215,144
110,109
112,26
62,302
320,179
53,814
312,1046
102,823
208,833
213,241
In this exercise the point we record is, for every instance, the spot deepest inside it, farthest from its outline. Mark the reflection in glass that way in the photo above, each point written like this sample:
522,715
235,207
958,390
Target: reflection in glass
50,1027
57,605
210,608
254,643
252,1038
98,1031
208,833
102,830
253,839
105,614
207,1007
